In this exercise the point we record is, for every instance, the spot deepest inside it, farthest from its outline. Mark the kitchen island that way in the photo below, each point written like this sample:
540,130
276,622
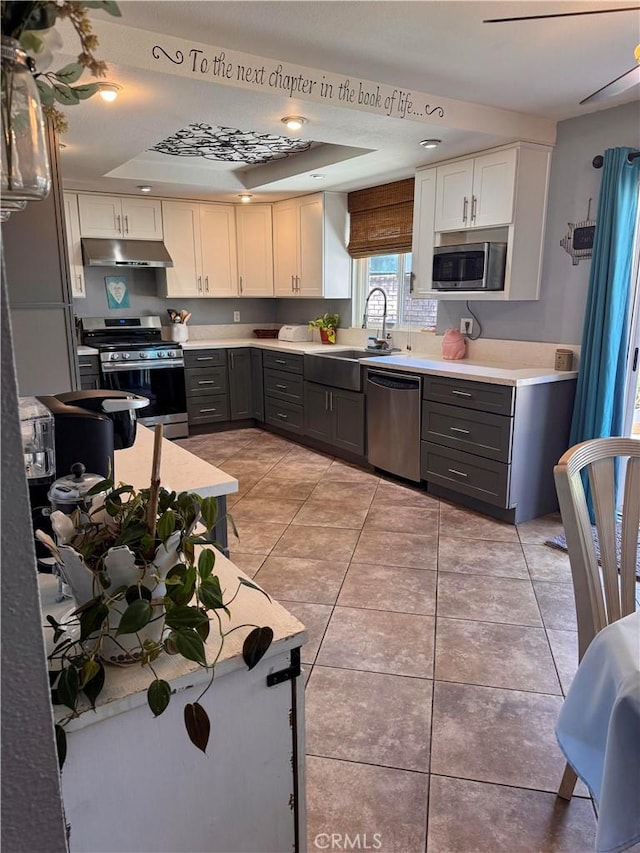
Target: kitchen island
132,782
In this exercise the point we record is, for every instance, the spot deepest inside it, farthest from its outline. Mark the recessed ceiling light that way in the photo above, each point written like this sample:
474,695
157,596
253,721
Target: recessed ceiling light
317,177
109,91
145,189
293,122
430,143
245,197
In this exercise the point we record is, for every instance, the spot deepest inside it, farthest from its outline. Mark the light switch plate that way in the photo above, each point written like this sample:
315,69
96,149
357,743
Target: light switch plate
236,316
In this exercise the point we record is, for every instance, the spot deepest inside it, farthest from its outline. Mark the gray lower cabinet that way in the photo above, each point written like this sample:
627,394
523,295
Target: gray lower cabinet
495,445
257,385
240,399
206,386
335,416
89,369
283,391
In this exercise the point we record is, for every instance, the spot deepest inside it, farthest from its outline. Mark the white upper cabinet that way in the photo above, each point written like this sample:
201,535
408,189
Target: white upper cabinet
74,248
498,195
309,244
201,239
477,192
424,204
117,217
254,232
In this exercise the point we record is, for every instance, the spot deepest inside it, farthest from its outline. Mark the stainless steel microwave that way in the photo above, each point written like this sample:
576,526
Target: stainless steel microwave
471,266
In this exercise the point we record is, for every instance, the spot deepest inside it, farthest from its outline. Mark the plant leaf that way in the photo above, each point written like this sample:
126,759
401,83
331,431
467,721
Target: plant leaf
68,687
93,688
206,562
209,512
86,90
92,619
90,669
64,95
255,645
190,645
102,486
61,744
211,594
166,525
158,696
134,593
252,585
105,6
185,617
203,628
197,723
70,73
46,93
135,617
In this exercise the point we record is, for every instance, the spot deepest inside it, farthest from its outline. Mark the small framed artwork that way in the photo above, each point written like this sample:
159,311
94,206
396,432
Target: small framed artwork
117,291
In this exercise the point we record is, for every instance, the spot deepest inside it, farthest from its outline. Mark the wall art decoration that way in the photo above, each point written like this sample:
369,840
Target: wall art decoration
229,144
117,291
578,241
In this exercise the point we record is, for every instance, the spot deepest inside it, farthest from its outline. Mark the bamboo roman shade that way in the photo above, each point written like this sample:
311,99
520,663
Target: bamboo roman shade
381,219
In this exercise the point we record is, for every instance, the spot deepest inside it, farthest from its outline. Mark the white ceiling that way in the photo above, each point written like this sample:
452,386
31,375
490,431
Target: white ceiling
538,68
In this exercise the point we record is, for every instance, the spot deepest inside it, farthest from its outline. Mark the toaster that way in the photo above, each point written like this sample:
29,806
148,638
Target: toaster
295,333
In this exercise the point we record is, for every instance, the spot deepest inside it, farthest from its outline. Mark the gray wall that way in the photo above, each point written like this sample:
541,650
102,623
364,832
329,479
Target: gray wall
31,805
559,313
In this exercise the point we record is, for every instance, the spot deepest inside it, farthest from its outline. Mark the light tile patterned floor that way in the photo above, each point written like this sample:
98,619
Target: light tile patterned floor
441,643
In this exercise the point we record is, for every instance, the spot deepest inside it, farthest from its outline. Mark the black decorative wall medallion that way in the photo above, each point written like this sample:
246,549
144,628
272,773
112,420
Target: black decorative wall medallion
230,144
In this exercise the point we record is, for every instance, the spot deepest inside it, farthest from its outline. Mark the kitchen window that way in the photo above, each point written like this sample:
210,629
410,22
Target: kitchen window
392,273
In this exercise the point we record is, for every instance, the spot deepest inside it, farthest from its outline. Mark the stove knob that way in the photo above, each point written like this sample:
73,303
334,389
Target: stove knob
171,353
114,356
144,354
161,353
126,355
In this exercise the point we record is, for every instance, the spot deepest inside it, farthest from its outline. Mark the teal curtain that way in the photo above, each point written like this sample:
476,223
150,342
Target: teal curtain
598,410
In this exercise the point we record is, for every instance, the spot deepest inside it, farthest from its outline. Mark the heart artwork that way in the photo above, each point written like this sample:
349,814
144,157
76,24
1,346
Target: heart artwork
118,290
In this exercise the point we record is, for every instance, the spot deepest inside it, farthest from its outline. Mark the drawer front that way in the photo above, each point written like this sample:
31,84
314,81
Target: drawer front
205,357
284,386
283,361
467,430
210,409
498,399
211,380
88,364
480,478
284,415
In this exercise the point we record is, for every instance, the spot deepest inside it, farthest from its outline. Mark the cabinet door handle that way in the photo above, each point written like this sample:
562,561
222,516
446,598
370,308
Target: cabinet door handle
204,358
297,284
474,201
232,361
80,284
240,284
283,416
126,225
461,393
326,401
330,401
119,224
458,473
280,361
203,411
293,289
465,206
206,381
459,429
84,364
206,283
282,387
199,284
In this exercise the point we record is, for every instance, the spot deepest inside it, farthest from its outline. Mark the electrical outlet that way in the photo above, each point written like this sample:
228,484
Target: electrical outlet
236,316
466,326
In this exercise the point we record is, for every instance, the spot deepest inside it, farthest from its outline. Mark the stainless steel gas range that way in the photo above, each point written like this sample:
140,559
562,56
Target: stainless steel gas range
133,357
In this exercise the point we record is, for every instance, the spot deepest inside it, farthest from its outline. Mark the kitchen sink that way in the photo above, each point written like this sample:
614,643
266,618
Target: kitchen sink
338,368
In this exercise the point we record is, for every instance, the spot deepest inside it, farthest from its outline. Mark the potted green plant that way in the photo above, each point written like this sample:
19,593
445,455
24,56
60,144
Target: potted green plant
328,325
143,588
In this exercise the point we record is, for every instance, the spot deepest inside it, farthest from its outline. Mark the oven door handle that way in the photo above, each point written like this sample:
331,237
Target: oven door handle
123,366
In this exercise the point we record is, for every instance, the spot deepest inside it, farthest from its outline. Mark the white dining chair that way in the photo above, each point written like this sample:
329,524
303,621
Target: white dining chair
604,591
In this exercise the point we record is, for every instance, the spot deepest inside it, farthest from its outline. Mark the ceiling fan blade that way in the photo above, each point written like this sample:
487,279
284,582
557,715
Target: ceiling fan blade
561,15
620,84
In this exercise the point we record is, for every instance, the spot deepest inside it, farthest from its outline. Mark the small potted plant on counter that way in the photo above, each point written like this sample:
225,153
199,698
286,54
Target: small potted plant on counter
328,325
142,590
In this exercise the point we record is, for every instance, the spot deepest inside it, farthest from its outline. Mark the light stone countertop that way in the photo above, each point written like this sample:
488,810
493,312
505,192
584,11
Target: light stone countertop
298,347
84,350
179,469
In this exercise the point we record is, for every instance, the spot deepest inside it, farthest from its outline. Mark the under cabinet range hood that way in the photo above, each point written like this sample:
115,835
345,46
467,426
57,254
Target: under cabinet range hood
125,253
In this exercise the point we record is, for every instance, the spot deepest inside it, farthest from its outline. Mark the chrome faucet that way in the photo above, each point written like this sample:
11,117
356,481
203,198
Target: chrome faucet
384,311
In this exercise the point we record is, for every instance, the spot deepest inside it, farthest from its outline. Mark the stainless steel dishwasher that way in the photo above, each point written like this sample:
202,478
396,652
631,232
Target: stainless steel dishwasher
393,422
